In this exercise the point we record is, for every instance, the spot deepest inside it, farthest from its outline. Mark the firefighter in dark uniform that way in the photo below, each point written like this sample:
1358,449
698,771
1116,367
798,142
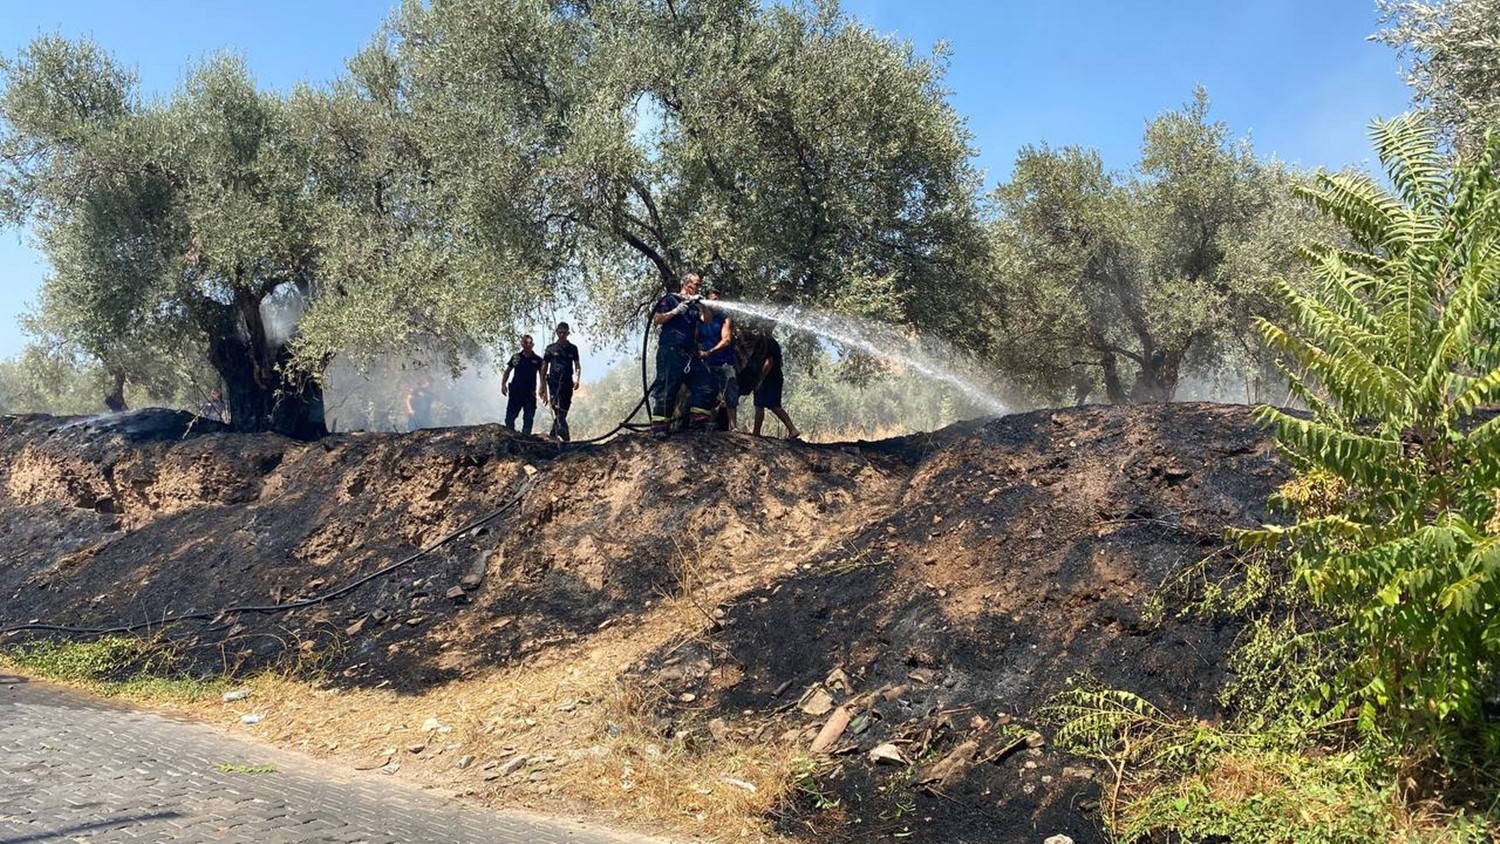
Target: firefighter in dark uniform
562,372
677,361
523,389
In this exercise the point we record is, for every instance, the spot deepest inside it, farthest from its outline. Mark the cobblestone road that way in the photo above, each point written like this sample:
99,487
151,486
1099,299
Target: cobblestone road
73,768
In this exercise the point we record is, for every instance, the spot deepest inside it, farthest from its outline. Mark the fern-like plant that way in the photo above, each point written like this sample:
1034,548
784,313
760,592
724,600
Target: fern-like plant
1394,351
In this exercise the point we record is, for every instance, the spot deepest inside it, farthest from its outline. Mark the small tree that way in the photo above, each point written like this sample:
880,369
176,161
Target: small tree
1394,352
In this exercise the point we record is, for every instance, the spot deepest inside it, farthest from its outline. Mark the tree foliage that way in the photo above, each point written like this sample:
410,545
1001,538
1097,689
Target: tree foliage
1393,351
1450,49
1123,281
789,153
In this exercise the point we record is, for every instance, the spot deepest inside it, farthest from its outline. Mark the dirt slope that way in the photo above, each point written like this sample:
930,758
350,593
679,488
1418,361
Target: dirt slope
940,587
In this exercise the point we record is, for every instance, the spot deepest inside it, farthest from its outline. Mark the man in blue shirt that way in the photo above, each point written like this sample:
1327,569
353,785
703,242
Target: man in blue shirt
677,362
716,350
522,388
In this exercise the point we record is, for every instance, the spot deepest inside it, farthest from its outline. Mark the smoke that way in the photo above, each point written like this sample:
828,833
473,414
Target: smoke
280,313
415,390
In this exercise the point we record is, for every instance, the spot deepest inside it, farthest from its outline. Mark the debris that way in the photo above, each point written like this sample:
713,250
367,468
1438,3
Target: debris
839,681
887,754
1035,740
893,693
390,767
951,769
237,694
250,719
739,783
816,701
455,593
921,675
431,725
782,688
356,628
832,730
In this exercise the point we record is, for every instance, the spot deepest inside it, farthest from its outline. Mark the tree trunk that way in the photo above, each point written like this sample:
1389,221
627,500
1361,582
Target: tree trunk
114,400
262,391
1158,377
1113,388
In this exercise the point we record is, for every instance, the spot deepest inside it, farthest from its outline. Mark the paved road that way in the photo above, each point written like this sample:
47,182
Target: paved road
73,768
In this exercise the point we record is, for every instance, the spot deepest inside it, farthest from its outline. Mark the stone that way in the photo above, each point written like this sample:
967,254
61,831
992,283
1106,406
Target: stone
887,754
356,628
816,701
1057,839
465,761
515,764
454,593
237,694
719,729
431,725
1035,740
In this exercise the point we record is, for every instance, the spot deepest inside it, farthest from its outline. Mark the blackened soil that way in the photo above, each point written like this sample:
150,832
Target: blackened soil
940,586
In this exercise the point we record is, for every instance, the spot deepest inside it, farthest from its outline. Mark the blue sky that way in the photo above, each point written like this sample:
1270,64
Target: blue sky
1299,77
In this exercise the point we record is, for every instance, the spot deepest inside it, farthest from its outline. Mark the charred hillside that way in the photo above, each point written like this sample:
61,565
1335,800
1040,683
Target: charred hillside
934,589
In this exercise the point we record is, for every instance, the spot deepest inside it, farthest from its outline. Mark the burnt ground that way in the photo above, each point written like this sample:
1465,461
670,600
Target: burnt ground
936,589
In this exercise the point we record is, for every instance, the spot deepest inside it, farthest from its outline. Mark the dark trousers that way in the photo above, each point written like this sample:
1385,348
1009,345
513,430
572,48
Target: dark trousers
678,367
562,399
522,403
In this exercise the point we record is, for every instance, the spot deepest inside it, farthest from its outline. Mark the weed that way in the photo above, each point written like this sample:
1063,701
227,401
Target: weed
233,768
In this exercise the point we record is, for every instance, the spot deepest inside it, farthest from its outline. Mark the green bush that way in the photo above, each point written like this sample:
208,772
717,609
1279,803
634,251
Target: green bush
1394,353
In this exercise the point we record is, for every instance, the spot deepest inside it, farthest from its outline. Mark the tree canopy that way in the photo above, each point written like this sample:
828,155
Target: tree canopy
1450,47
480,162
1123,281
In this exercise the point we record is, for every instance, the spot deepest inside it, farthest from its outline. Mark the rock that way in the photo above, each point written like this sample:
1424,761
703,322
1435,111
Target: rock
465,761
431,725
1058,839
379,616
250,719
921,675
356,628
687,697
513,765
373,762
414,621
887,754
237,694
454,593
719,729
816,701
391,767
416,748
832,730
839,681
1035,740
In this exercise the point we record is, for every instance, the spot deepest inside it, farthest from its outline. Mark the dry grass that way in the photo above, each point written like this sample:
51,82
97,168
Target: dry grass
591,741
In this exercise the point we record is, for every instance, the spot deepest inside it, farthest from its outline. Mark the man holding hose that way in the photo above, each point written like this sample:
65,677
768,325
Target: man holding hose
677,361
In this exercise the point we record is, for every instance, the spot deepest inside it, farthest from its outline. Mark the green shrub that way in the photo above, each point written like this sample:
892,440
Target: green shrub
1394,353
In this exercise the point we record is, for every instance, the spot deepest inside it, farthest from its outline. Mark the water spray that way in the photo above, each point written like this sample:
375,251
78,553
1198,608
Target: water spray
872,338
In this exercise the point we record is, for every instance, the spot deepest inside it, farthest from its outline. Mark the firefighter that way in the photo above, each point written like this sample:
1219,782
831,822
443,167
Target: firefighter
677,361
562,373
524,388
